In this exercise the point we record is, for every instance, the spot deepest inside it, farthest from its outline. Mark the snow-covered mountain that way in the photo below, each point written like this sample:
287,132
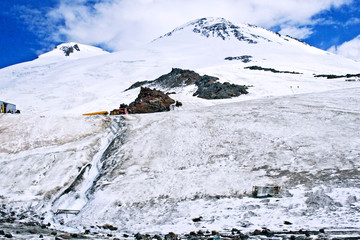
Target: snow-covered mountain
157,172
205,45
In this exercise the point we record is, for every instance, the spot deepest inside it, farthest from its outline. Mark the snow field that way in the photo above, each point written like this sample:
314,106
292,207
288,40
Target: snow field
184,164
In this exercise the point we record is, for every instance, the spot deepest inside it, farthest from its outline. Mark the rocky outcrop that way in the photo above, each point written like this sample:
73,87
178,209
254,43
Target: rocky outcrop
208,86
208,89
243,58
270,70
69,49
150,101
176,78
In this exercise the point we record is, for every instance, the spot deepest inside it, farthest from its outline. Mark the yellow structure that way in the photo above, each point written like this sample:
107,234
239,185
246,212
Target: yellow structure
7,107
96,113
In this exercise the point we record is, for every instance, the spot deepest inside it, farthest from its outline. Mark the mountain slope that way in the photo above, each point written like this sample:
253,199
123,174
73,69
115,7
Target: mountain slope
158,172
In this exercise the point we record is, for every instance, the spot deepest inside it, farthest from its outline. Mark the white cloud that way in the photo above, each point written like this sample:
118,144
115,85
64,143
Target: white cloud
118,24
296,32
350,49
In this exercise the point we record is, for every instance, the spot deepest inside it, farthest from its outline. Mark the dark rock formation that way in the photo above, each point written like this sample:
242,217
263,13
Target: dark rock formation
208,87
270,70
69,49
176,78
149,101
221,28
332,76
218,90
243,58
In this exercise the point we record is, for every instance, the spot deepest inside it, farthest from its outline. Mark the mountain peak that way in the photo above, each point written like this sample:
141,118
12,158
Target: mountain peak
217,28
68,48
73,50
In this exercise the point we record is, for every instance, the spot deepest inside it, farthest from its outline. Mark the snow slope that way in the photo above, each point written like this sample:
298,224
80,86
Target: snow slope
159,171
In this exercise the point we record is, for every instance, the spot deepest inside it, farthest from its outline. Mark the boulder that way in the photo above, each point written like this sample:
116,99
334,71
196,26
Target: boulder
150,101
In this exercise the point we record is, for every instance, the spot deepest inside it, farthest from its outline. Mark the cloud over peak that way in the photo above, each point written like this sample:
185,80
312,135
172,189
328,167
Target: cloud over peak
121,24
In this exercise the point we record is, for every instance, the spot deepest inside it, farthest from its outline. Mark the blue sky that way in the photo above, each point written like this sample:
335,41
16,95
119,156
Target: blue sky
31,27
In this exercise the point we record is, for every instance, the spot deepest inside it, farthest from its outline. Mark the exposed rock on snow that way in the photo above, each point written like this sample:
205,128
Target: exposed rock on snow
69,49
208,87
214,90
243,58
218,28
270,70
150,101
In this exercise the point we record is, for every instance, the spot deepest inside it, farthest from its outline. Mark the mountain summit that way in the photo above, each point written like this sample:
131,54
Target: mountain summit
73,50
216,27
226,30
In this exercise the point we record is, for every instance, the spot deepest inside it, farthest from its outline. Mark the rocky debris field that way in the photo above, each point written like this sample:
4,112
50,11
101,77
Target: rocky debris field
35,230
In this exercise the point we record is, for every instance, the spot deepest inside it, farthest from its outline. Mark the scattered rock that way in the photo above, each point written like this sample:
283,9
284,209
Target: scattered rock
41,236
322,230
8,235
31,224
243,58
170,236
267,232
257,232
157,237
139,236
235,231
33,231
192,234
2,232
10,219
74,235
198,219
150,101
287,223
